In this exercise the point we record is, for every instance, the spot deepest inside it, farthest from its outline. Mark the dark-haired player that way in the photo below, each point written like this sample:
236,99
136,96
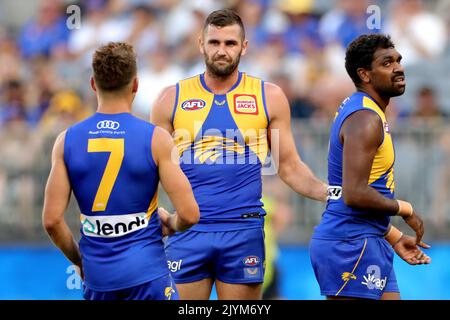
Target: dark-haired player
224,123
349,251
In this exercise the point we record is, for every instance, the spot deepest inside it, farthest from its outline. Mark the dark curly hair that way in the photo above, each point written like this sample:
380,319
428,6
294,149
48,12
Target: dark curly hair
223,18
114,66
360,53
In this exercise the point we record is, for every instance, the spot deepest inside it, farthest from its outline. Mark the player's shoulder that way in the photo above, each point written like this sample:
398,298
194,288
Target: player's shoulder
273,91
166,97
82,124
161,135
162,143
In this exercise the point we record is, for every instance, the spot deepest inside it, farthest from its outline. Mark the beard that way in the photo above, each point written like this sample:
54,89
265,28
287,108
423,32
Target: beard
393,90
221,71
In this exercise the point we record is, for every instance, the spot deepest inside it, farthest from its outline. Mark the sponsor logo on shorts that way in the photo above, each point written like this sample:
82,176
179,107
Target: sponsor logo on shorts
108,124
193,104
168,291
174,266
251,261
373,278
114,225
245,104
251,273
334,192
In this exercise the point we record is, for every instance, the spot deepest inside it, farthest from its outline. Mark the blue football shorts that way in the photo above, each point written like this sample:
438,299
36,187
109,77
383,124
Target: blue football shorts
236,256
162,288
361,268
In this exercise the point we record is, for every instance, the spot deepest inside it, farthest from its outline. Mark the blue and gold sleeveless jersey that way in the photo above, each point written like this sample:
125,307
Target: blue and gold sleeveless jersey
340,221
222,144
114,180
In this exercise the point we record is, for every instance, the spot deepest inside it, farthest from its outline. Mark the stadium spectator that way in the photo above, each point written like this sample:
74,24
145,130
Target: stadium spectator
47,34
419,33
427,107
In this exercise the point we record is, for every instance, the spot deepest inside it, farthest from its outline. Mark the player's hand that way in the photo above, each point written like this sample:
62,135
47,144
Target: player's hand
166,224
407,249
416,223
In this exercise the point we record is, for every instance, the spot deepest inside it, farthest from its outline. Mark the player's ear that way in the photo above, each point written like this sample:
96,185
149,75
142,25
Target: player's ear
200,43
363,75
244,47
135,85
93,84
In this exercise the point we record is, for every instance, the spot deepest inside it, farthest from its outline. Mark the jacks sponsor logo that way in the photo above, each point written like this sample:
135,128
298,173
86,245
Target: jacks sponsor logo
245,104
108,124
113,226
193,104
251,261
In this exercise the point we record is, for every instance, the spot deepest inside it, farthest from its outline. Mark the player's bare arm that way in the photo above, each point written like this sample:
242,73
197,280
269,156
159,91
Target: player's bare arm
292,170
174,183
162,109
57,196
361,135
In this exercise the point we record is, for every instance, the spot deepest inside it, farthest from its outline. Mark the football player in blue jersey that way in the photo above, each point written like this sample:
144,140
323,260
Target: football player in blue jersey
224,123
113,163
352,249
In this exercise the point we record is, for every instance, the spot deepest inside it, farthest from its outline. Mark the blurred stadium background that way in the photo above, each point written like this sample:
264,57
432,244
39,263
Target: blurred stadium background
298,44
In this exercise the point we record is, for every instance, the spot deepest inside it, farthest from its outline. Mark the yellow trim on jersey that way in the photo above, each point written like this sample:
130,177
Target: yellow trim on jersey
347,279
246,106
383,161
252,122
187,123
153,205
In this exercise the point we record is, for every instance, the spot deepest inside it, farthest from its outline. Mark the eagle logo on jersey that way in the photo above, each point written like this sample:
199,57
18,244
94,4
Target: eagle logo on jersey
212,147
346,276
168,291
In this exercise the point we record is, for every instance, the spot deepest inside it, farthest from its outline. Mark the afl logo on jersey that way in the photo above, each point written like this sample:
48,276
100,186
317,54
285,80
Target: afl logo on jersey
108,124
193,104
245,104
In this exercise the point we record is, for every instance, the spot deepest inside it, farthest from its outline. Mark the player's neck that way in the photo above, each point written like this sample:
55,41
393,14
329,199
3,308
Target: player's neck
381,101
116,105
221,85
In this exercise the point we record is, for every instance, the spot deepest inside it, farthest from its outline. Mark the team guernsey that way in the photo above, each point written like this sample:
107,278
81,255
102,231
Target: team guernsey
340,221
348,252
114,179
222,144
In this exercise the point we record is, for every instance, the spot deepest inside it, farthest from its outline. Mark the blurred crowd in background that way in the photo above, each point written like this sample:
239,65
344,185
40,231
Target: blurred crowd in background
297,44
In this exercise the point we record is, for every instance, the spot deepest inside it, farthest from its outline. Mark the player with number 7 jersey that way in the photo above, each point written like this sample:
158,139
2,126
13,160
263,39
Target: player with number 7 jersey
113,163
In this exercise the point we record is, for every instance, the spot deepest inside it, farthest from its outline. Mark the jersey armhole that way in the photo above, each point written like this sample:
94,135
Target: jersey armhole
66,148
348,115
177,92
151,160
263,93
